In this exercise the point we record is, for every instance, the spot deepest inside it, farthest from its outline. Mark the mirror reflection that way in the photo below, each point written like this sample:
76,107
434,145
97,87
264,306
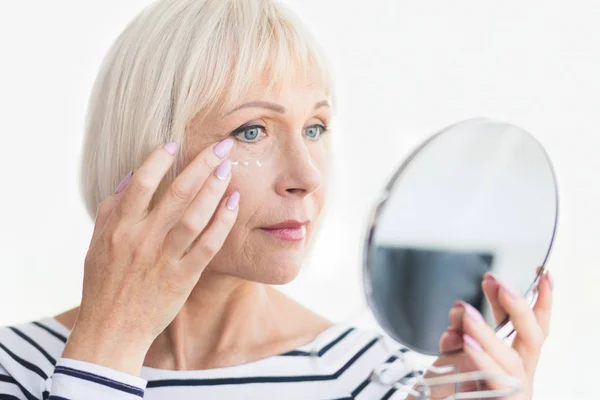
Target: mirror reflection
479,196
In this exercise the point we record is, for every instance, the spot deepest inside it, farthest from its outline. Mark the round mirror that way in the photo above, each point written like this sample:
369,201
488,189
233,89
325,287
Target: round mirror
478,196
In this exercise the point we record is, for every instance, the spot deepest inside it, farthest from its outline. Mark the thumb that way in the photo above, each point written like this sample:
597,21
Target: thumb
450,340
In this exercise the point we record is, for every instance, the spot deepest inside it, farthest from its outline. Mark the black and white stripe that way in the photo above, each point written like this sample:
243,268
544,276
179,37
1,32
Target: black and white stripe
99,379
338,366
324,350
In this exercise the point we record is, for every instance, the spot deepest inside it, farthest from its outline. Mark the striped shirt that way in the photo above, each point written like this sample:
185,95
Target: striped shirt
336,365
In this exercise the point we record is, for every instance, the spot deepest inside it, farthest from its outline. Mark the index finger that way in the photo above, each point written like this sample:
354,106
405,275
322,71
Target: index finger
530,336
136,196
543,304
490,288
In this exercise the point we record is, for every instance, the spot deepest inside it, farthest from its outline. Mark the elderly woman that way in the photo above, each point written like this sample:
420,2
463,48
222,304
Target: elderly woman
222,108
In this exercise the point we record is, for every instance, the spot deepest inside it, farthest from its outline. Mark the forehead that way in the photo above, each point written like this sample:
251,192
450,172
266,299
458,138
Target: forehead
301,90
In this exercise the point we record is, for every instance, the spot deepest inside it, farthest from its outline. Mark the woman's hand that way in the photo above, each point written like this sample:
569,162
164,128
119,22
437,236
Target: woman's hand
142,265
484,351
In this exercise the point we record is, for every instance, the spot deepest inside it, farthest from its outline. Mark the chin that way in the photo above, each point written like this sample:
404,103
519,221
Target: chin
277,273
267,266
273,273
283,278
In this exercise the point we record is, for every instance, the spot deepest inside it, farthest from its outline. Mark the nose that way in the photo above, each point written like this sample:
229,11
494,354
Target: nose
300,175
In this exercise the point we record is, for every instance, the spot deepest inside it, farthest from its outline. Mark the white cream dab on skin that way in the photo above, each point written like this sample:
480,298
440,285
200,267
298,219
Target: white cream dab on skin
246,163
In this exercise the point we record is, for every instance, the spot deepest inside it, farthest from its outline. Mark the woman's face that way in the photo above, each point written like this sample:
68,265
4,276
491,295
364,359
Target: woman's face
281,166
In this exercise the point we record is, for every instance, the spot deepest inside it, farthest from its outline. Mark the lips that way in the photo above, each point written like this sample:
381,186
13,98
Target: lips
291,230
288,224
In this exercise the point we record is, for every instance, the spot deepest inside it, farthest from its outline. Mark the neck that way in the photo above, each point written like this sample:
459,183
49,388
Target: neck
229,321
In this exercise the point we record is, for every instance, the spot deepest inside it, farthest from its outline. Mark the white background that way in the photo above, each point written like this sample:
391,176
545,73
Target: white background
405,69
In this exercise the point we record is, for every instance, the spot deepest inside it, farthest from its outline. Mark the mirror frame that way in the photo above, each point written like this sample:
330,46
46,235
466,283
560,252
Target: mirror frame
382,200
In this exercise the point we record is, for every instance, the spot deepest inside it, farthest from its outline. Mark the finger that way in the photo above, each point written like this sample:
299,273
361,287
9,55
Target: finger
543,304
213,237
106,207
475,326
485,362
186,186
450,340
456,316
136,196
198,214
102,213
490,288
530,337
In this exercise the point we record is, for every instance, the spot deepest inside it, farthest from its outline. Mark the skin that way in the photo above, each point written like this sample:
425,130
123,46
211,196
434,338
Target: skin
220,310
484,351
232,314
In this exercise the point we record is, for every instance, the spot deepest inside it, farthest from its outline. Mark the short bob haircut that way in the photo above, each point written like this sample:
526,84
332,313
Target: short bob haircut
176,62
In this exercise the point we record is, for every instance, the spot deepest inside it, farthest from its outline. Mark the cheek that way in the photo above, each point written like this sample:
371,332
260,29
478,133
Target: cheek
252,183
322,159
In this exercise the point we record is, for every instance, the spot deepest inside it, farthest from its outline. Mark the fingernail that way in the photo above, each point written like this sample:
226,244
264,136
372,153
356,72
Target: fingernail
470,310
223,170
550,280
233,201
491,277
512,292
471,343
171,147
223,147
123,182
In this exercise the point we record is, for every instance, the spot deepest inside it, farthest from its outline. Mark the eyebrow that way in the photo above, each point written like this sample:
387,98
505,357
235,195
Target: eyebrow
272,106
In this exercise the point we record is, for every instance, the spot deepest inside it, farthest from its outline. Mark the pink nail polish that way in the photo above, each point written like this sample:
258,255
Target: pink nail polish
470,310
223,170
171,147
490,276
471,343
123,182
233,201
491,280
223,148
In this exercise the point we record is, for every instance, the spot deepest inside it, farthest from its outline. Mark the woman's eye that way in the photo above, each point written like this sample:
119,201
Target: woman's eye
249,134
315,131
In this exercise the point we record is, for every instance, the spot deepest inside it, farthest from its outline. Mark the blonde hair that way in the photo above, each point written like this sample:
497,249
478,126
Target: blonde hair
176,62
